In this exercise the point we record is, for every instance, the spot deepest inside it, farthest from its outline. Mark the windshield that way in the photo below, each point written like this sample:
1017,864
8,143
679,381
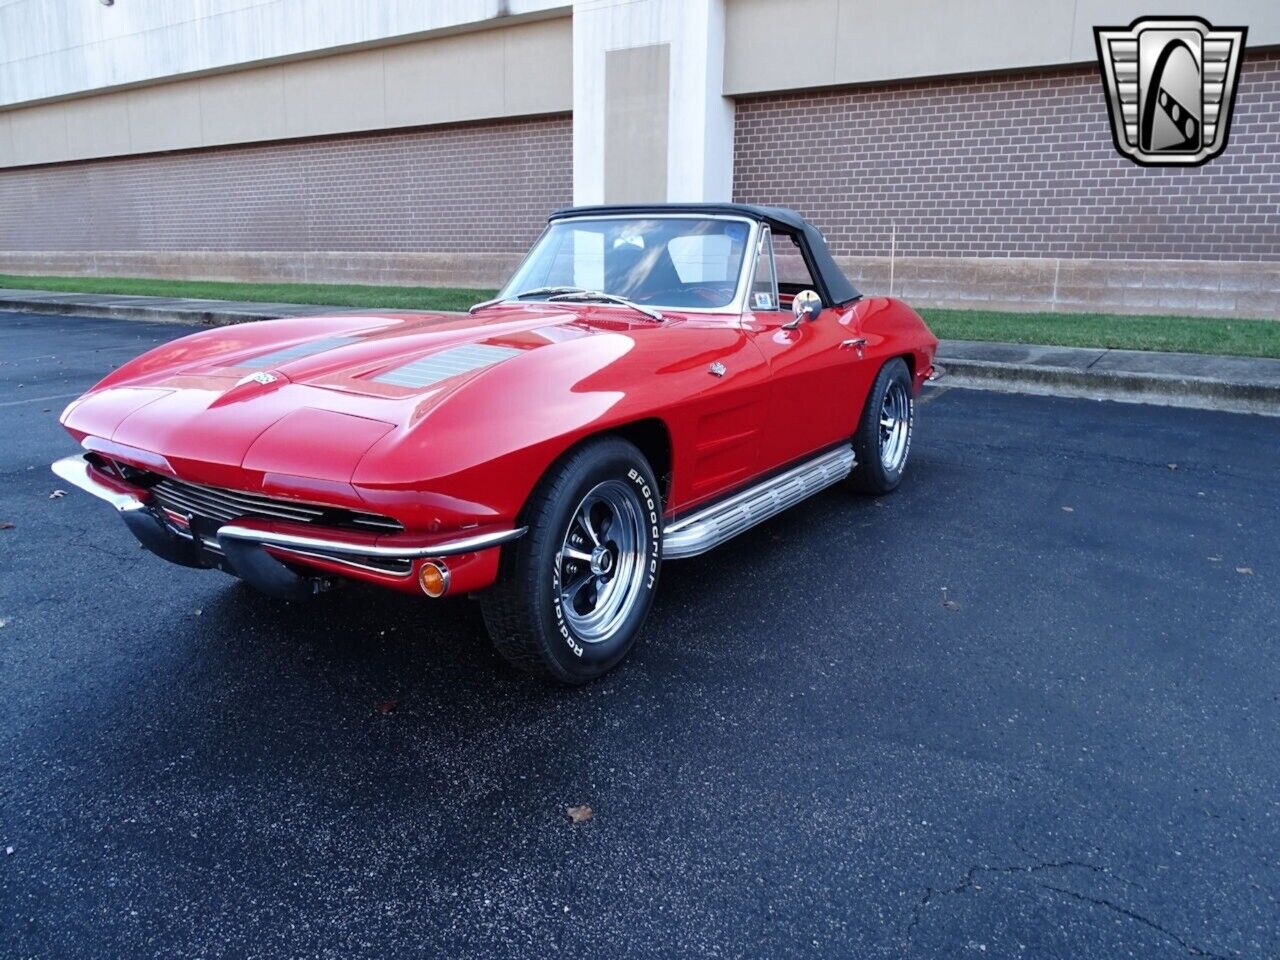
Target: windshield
675,262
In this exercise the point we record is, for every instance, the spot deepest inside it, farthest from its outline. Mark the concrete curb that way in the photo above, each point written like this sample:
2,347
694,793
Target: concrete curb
213,317
1155,388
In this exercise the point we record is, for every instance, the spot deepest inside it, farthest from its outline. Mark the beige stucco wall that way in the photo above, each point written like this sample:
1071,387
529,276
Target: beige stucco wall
773,45
518,70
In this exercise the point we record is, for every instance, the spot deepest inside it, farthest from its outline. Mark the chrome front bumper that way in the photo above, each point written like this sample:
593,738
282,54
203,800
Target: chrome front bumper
244,542
77,470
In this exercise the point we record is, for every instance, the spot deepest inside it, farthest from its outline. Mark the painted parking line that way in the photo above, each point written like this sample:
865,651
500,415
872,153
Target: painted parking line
60,396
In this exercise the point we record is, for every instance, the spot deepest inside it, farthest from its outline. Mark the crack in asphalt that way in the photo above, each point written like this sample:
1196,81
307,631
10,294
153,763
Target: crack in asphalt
970,882
1191,948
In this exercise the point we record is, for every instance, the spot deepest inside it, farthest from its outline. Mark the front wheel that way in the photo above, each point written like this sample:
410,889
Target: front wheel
883,440
573,593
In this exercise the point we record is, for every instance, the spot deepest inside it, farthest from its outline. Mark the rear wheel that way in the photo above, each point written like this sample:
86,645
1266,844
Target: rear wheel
883,440
573,593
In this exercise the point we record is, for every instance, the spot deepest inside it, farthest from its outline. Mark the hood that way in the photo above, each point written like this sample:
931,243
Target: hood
267,396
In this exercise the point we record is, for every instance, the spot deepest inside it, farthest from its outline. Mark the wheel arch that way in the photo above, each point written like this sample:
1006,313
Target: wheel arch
650,435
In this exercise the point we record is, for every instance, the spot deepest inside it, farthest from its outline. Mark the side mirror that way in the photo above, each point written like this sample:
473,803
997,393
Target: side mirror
806,305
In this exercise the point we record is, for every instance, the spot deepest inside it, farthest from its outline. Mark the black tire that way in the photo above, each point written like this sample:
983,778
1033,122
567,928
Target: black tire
524,611
872,474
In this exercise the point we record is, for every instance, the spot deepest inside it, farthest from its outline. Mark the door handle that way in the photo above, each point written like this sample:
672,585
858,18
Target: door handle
856,342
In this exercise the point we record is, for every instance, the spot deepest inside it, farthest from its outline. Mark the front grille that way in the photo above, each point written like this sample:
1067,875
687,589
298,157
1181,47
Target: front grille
223,506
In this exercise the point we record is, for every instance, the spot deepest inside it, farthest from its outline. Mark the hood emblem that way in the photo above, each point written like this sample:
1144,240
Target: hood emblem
716,369
261,377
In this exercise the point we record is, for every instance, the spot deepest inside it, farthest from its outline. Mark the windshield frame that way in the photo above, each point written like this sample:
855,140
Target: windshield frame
735,307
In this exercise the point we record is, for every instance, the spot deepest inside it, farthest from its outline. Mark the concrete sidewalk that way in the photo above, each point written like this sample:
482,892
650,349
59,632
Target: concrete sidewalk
1239,384
159,309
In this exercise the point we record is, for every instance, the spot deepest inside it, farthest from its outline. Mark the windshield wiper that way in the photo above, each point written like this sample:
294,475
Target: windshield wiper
587,296
535,292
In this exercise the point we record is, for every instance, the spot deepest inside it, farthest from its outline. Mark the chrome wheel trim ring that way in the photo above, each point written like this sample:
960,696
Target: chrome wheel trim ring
601,561
895,427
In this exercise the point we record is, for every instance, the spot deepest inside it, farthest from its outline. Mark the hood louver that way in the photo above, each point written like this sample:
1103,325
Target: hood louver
278,357
432,369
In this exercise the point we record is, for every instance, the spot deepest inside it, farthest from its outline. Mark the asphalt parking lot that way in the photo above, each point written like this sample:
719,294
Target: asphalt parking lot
1026,706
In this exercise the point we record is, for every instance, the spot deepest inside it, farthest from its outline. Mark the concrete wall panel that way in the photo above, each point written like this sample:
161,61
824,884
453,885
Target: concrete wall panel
774,45
517,70
65,48
334,95
779,44
538,68
921,38
94,129
462,78
240,107
637,89
38,135
162,118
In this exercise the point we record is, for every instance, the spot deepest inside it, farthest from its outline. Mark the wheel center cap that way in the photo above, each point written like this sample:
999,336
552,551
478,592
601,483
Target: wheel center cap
601,561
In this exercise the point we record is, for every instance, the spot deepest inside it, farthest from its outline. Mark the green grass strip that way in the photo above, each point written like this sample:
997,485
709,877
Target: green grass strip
1230,337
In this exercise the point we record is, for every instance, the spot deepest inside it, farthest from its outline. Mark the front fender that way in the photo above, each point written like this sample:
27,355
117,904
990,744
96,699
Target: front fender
477,454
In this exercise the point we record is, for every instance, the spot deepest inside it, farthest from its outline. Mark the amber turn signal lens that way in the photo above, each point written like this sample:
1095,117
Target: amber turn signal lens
433,577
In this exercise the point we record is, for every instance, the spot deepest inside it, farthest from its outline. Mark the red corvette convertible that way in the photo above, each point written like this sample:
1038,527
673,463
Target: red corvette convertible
652,381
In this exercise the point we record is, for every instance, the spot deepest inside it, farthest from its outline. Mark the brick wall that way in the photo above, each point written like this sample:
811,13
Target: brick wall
480,189
1010,166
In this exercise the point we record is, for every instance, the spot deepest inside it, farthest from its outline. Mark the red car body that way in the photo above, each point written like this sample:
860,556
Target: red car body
302,411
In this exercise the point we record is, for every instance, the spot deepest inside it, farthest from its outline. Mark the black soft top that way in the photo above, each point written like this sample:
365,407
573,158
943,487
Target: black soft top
835,287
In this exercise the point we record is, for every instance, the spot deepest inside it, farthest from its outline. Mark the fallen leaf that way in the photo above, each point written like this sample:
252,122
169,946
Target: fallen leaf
1068,509
580,814
5,525
57,495
1247,571
386,707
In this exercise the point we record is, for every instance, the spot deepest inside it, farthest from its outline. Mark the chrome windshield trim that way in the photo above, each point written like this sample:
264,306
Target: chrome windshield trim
78,472
736,307
270,538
